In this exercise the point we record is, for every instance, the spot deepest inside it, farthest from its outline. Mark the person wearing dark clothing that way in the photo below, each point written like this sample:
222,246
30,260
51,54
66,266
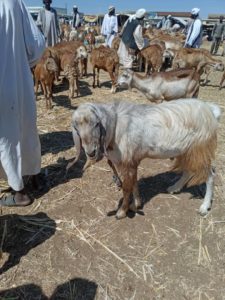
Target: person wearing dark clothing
76,17
217,34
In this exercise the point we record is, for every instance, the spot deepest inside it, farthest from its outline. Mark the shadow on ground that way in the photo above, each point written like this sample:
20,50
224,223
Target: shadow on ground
152,186
75,289
19,234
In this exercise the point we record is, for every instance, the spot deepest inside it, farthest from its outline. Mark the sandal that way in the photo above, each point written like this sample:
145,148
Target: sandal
9,200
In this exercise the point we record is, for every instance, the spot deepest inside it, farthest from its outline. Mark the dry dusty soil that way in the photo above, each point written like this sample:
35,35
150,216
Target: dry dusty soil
64,246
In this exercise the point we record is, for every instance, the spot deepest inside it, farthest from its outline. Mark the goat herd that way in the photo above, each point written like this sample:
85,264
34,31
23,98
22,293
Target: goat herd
182,130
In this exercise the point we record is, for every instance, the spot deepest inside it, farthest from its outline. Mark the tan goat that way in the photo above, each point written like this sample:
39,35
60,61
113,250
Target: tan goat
69,64
153,56
116,43
163,85
72,46
196,58
105,59
45,72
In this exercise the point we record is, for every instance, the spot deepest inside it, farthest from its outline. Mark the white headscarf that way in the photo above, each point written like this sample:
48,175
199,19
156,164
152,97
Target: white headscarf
195,11
138,15
111,8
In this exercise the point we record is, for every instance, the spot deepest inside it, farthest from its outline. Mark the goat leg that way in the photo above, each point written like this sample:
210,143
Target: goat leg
49,89
93,77
77,85
98,82
129,179
45,93
146,67
221,82
136,203
36,88
207,202
116,177
113,89
179,184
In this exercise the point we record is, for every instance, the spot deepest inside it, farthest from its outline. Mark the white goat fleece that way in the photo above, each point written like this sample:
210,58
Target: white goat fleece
184,129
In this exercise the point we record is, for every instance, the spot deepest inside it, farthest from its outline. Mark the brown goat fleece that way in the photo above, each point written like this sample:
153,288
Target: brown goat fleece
197,161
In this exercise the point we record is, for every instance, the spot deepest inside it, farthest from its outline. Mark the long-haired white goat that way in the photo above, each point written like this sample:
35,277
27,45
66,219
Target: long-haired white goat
127,133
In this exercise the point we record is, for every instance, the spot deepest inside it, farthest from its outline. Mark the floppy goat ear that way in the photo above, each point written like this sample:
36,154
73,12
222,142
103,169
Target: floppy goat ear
102,138
77,143
99,116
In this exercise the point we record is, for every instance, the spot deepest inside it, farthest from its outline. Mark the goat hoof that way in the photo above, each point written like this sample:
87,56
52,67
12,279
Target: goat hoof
171,190
203,210
121,214
117,181
113,90
133,207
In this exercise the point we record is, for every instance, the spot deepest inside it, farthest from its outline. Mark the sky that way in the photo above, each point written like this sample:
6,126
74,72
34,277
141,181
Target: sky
101,6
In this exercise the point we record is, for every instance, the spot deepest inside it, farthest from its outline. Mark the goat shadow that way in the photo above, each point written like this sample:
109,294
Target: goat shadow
75,289
105,84
55,142
63,100
55,174
152,186
23,233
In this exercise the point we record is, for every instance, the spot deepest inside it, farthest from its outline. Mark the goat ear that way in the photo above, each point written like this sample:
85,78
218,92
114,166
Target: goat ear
103,138
50,53
77,143
45,64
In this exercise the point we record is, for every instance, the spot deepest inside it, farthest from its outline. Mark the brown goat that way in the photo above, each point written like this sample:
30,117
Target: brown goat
45,73
116,43
90,39
72,46
191,58
199,59
106,59
69,64
153,56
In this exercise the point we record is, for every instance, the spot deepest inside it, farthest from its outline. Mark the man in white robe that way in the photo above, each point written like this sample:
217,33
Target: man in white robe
195,31
109,26
48,23
131,39
19,142
76,18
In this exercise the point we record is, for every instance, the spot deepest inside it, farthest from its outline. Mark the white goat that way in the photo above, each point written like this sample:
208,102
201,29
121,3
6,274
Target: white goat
161,86
127,133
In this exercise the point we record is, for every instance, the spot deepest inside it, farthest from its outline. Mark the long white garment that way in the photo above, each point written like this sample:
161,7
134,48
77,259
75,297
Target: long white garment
48,23
76,20
194,34
23,46
126,58
109,28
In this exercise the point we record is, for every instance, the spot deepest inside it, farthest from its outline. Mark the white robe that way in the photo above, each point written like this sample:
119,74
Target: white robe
109,28
48,23
194,34
126,59
23,46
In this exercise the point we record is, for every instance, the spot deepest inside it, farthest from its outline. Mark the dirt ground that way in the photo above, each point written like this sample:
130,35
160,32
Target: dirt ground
64,246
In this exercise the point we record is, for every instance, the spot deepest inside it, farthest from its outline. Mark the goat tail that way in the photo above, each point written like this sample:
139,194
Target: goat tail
215,109
197,161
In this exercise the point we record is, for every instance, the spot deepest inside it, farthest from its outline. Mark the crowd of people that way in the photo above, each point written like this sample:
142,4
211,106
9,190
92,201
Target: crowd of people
20,153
